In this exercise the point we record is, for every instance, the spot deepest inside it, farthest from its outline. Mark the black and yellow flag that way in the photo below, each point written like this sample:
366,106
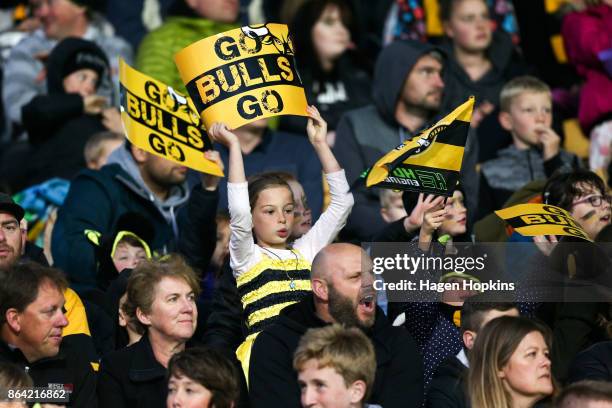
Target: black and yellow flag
243,75
541,219
161,121
430,161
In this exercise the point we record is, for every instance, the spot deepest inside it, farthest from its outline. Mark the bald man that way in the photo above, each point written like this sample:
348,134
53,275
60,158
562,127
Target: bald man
342,292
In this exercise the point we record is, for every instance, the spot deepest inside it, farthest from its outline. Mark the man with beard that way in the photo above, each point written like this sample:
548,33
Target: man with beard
135,181
342,292
11,239
407,96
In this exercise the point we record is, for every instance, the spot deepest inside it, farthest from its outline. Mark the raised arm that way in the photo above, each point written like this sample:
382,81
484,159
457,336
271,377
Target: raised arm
334,218
317,134
242,245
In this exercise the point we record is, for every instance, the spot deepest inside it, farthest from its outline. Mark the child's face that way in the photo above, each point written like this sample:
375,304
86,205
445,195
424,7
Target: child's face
273,217
394,209
456,215
530,113
82,82
591,218
186,393
325,388
469,25
302,221
128,256
108,146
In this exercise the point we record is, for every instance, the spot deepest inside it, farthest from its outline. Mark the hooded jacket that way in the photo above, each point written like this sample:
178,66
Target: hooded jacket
364,135
459,86
57,125
97,199
273,382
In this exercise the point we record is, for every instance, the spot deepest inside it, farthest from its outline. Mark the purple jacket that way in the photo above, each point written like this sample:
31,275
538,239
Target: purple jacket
585,34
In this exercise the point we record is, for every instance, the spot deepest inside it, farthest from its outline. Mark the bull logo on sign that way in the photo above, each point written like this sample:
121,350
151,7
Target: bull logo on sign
262,33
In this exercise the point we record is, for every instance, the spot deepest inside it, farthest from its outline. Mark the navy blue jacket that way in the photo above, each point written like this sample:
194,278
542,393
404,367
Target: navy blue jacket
97,199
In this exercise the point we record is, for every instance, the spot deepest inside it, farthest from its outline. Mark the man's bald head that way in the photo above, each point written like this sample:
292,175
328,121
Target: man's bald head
334,256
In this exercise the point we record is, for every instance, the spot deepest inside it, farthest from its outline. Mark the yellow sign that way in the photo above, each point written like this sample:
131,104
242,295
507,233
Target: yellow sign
161,121
429,162
541,219
242,75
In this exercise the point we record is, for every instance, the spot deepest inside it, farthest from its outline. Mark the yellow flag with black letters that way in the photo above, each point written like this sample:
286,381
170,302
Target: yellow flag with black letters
429,162
162,121
243,75
541,219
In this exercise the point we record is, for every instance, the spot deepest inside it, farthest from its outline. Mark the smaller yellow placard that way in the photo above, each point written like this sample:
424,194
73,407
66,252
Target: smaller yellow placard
158,119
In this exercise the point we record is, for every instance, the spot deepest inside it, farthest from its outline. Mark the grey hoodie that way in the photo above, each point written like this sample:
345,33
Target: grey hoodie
364,135
179,194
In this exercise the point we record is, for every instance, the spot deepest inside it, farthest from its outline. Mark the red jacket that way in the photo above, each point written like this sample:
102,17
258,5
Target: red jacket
585,34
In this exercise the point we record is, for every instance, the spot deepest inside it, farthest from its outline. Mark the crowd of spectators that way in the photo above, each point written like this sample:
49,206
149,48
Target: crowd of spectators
128,280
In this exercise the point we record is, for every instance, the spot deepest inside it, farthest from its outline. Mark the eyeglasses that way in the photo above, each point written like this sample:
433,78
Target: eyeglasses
595,200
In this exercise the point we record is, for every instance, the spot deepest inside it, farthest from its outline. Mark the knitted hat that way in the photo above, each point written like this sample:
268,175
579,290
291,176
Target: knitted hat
73,54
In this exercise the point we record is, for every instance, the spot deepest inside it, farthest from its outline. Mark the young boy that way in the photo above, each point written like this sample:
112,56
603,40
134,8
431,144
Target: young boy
99,146
336,367
391,205
526,112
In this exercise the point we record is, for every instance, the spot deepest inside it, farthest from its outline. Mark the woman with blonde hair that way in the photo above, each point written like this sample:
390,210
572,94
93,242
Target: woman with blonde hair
161,301
510,365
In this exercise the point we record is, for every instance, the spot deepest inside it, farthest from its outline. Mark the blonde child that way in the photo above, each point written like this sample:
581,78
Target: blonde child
535,152
391,205
270,275
343,360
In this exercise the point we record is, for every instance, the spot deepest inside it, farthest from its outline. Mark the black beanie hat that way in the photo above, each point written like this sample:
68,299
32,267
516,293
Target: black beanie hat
73,54
92,5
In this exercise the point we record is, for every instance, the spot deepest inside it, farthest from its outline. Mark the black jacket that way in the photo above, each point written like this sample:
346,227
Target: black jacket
273,382
594,363
447,389
132,378
346,87
69,368
225,328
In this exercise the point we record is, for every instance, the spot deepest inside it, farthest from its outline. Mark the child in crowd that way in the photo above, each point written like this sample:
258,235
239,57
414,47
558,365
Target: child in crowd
391,205
526,112
480,61
335,366
201,378
125,248
60,123
433,321
270,274
12,377
302,215
99,147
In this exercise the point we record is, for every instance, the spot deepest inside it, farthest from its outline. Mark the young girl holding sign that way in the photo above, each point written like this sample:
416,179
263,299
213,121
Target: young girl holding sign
269,273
